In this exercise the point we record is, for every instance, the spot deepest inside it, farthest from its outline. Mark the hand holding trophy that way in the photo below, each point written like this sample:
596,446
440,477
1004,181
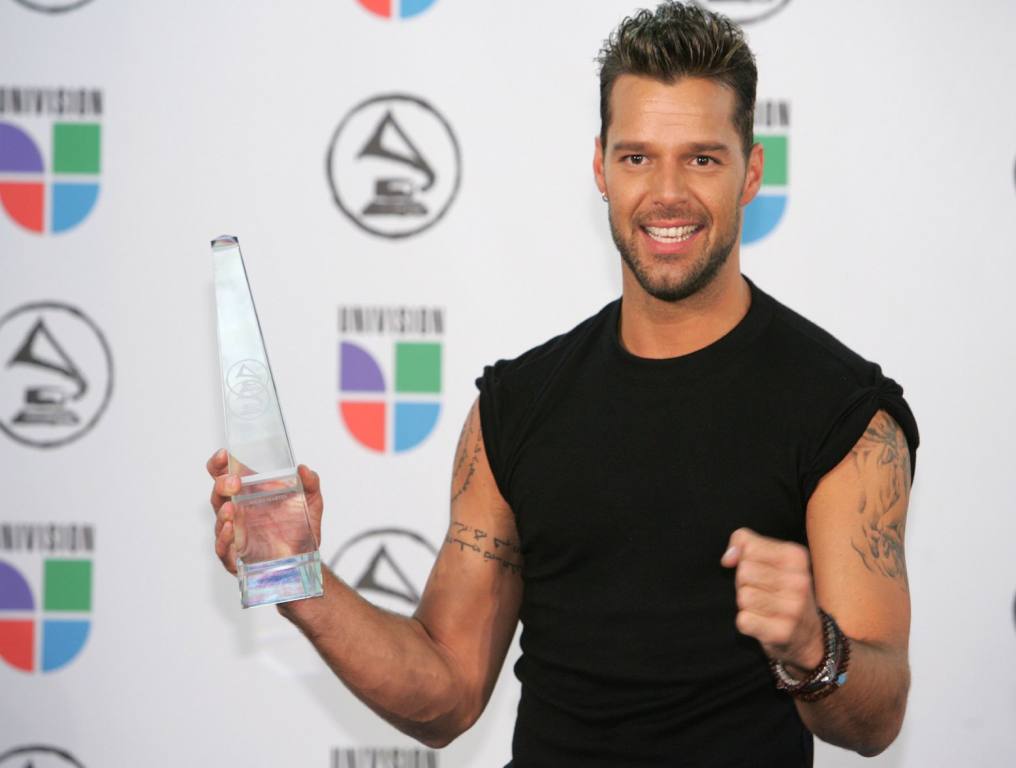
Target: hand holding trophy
277,558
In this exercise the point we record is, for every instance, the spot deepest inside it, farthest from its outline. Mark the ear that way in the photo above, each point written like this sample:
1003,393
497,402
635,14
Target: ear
753,174
601,179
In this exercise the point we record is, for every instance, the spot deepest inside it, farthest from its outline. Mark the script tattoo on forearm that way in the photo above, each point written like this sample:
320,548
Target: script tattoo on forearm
882,459
467,454
503,552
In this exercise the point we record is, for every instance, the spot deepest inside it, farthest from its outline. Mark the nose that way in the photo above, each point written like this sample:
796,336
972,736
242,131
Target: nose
669,185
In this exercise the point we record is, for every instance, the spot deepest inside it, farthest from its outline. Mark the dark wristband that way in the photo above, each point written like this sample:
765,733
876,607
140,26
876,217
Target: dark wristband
829,675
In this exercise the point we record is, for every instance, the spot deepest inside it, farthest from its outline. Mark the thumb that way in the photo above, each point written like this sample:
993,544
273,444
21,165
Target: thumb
735,547
731,557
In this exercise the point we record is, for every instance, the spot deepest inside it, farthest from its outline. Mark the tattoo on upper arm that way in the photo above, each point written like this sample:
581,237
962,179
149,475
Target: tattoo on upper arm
504,552
882,460
467,454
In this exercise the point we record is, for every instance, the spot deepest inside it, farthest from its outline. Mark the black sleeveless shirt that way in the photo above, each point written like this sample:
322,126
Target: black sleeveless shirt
627,476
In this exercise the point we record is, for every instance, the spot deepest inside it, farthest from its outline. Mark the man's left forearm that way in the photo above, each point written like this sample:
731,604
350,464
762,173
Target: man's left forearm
866,713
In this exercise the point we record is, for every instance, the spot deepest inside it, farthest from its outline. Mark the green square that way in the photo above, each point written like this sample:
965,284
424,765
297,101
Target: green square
67,585
75,148
776,159
417,367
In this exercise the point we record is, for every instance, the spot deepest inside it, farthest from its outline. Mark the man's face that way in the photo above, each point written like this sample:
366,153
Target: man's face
676,179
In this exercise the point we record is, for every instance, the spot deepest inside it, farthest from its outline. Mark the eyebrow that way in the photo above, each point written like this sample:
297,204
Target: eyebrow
628,146
694,148
709,147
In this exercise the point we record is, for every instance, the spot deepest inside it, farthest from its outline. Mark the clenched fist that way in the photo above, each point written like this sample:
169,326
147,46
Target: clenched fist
776,598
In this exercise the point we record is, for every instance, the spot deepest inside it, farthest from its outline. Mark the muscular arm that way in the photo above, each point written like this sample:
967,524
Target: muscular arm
854,568
856,520
432,674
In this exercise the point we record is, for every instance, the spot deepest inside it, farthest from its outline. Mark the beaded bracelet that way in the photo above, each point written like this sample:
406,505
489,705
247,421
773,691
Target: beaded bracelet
829,675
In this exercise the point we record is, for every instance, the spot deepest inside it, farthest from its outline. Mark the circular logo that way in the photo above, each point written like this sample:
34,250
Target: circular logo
388,566
56,374
394,165
402,8
743,11
53,6
38,757
248,389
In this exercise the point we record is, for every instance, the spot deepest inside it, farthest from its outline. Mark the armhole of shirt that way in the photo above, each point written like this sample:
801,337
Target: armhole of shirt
849,425
490,429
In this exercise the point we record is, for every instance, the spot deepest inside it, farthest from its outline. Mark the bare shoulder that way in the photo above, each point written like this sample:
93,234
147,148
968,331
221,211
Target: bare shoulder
856,523
481,522
880,462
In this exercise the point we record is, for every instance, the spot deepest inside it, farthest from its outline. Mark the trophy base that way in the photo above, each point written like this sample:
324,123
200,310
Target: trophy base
280,581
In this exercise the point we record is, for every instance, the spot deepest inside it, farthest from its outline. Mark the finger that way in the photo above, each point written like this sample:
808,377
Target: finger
768,604
216,501
762,575
221,544
767,630
731,557
735,546
216,465
782,554
226,486
224,515
742,536
310,479
224,547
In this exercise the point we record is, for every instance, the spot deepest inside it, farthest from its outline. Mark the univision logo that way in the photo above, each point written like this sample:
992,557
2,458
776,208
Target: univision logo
49,167
772,126
44,635
390,377
744,11
383,757
404,9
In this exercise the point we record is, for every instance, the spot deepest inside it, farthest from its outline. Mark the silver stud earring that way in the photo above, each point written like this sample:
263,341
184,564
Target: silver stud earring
604,196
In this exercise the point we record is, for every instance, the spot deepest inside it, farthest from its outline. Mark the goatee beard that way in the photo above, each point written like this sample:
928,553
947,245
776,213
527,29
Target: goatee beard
701,275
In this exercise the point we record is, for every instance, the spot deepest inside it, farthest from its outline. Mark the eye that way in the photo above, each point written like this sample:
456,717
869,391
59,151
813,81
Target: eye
634,159
703,161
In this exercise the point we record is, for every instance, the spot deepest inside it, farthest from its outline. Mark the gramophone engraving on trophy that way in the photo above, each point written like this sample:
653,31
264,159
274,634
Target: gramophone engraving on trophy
394,165
55,374
393,195
248,384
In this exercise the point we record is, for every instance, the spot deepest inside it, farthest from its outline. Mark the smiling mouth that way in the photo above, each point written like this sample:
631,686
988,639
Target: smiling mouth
672,234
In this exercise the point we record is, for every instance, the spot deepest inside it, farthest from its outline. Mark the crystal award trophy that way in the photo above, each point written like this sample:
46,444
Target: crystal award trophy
277,558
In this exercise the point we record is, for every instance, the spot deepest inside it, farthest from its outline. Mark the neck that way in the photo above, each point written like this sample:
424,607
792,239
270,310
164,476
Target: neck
660,329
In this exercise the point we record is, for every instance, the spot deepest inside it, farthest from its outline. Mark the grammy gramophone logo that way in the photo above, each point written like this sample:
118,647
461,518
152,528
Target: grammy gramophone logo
744,11
394,165
56,374
38,756
388,566
53,6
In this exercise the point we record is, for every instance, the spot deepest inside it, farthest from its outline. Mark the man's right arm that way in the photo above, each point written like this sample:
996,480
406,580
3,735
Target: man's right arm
429,675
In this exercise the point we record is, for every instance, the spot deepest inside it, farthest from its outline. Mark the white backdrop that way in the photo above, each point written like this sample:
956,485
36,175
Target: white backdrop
217,117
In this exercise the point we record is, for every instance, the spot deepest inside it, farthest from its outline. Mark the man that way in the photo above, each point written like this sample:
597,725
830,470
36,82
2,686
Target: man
675,497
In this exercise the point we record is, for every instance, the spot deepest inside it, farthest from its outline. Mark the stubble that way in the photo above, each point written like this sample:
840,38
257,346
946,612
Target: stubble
701,273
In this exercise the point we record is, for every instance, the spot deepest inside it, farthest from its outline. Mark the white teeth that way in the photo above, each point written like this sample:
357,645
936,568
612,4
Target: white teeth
672,234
